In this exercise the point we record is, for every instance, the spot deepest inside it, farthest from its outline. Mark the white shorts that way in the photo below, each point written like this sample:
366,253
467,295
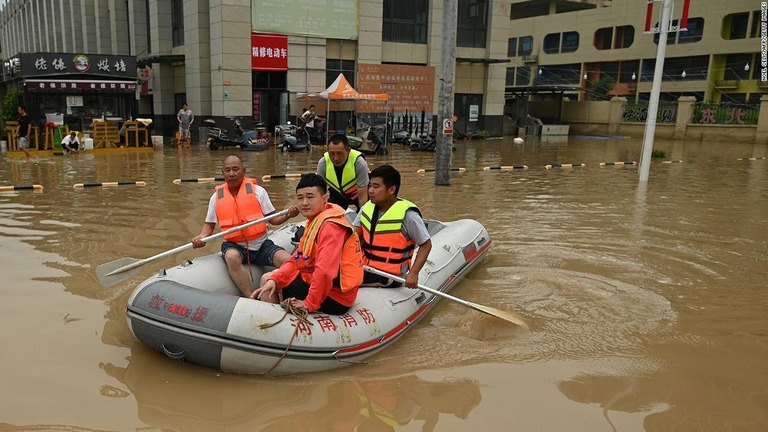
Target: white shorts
23,143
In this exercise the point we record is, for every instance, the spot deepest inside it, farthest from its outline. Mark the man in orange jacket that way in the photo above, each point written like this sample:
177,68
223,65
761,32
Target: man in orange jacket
326,270
239,201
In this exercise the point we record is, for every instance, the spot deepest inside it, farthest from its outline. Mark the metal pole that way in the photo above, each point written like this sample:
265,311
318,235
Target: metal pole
447,72
653,103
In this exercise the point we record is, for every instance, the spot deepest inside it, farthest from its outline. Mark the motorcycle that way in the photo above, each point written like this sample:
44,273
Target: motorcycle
401,137
291,138
236,137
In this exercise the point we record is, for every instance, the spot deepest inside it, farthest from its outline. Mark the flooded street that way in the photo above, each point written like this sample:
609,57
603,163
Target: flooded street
647,306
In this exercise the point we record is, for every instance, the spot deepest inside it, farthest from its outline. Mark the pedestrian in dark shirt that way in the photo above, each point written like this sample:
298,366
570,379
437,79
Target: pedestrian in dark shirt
22,130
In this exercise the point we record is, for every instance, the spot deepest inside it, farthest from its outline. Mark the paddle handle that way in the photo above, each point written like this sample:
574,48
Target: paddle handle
189,245
370,269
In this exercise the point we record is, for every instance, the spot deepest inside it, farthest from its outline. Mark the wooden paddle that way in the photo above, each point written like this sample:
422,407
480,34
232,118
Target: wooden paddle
123,268
505,315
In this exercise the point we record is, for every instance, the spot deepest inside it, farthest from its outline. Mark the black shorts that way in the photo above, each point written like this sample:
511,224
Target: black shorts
374,280
300,290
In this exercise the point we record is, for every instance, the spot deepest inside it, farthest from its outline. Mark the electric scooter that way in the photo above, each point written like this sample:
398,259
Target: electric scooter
237,137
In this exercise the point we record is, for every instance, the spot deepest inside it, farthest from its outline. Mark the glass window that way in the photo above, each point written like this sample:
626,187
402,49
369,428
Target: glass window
472,22
627,69
510,79
523,76
736,25
625,35
405,21
177,22
570,42
694,33
552,43
603,37
755,32
734,66
525,46
512,47
333,67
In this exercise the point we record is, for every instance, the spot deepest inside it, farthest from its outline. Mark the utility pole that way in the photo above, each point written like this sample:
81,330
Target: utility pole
653,104
445,110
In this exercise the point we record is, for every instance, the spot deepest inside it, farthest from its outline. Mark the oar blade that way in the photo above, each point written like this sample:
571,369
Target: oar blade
512,317
103,271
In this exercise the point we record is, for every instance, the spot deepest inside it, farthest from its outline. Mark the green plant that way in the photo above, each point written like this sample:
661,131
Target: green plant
658,154
600,88
482,134
11,103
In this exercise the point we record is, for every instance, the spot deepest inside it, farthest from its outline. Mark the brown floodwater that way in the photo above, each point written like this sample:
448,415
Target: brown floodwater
647,305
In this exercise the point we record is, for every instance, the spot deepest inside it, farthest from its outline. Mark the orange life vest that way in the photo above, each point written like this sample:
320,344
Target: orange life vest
384,245
232,211
350,267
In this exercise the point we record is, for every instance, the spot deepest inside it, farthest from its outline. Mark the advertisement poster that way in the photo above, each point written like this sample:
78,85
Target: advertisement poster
411,91
330,19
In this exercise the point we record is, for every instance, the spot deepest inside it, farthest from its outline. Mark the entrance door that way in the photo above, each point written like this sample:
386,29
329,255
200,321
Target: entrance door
468,108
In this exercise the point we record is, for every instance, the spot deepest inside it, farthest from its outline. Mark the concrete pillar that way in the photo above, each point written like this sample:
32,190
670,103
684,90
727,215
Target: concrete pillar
684,113
88,18
614,114
495,77
102,18
435,43
197,55
761,132
369,39
162,74
230,29
137,11
118,23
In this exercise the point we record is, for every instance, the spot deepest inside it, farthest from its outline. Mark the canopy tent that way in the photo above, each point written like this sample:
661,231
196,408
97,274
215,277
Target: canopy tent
340,89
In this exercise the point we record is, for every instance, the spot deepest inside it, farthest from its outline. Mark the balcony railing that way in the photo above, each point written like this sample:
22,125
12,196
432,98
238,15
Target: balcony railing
530,58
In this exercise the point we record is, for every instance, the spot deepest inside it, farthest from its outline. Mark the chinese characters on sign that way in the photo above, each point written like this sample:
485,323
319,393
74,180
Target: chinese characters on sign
257,106
159,302
269,52
36,64
410,88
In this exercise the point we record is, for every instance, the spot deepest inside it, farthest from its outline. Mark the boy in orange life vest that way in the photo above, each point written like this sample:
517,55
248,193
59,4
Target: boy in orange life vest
390,228
326,270
234,203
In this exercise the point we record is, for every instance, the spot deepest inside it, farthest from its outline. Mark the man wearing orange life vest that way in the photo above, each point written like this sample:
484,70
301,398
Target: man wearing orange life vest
346,173
390,228
238,201
326,270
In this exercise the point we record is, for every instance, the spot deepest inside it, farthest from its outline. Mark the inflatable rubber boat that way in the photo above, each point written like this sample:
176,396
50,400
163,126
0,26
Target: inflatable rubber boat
193,312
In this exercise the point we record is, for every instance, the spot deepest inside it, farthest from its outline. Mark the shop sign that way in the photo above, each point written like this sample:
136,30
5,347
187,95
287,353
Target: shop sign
111,86
269,52
36,64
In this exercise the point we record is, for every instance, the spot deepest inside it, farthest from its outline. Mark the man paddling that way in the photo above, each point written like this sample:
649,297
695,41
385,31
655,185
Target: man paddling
238,201
390,228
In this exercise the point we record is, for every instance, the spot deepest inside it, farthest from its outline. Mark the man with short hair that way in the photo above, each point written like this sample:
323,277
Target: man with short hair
22,130
326,270
71,143
346,173
390,228
234,203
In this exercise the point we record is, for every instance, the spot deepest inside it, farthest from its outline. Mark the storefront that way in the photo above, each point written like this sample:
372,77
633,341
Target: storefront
74,88
269,66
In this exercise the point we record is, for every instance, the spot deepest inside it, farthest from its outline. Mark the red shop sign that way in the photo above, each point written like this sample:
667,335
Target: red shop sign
269,52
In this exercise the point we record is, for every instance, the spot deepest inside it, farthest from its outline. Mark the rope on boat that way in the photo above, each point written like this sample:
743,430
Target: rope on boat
301,315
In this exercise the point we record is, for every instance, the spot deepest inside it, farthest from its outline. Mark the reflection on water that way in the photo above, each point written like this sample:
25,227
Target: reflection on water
643,300
292,404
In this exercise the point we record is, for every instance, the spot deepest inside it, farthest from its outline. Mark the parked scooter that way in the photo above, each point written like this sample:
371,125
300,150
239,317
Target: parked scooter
236,136
401,137
290,138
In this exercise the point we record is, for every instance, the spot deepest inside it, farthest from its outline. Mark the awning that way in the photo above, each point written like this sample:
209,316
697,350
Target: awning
92,85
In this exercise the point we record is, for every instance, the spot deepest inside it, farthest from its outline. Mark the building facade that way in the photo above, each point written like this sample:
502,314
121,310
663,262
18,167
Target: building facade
581,45
251,58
